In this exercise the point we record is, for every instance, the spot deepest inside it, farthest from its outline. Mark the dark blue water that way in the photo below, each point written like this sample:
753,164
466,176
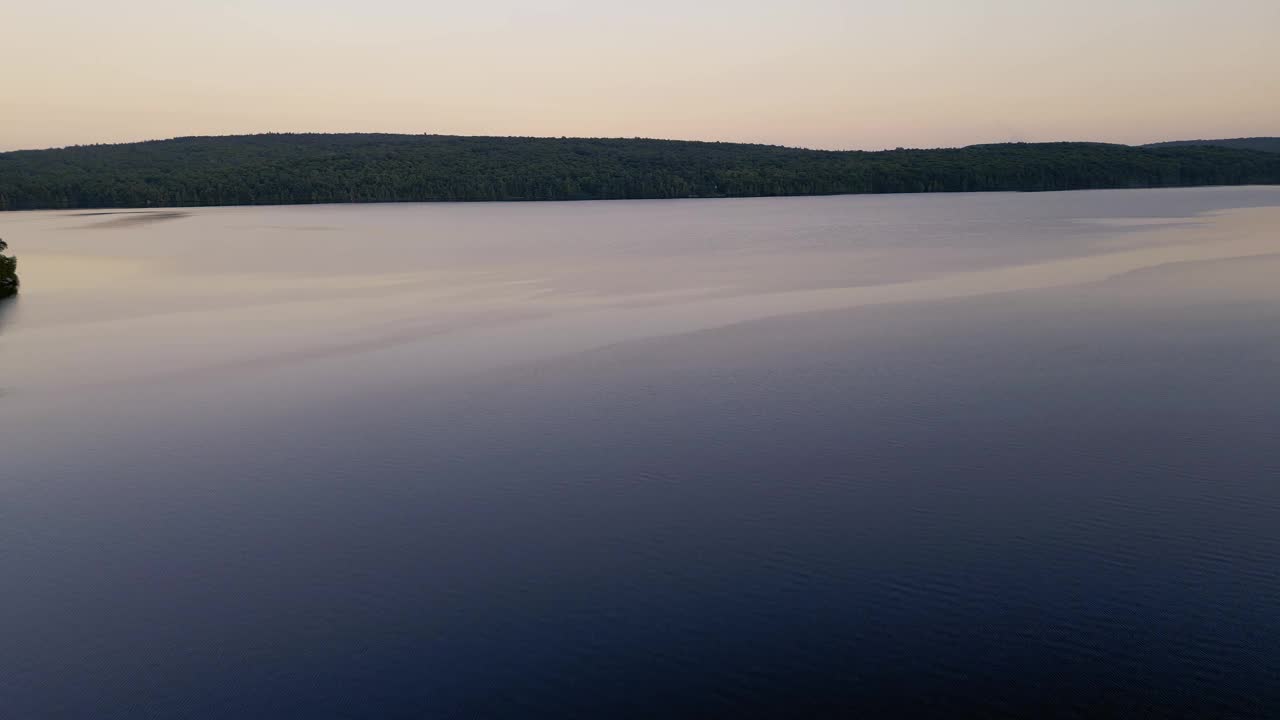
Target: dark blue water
1052,501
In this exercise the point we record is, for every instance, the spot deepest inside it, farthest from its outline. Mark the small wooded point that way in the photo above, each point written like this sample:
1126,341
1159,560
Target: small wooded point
8,272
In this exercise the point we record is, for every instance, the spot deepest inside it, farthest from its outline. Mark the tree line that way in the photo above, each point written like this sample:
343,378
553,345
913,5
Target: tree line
1265,144
318,168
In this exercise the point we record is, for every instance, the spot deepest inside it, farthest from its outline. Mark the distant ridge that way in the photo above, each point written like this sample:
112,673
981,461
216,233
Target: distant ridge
319,168
1263,144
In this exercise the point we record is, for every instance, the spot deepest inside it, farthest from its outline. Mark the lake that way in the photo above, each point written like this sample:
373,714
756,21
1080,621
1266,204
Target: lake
981,454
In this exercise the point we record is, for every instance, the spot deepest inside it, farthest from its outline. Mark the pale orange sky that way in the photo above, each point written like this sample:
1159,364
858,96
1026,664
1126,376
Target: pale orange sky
816,73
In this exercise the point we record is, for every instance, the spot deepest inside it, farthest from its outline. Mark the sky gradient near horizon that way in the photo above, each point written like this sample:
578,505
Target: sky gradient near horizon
814,73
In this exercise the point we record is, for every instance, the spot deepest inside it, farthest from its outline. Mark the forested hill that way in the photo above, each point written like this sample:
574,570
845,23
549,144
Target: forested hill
286,168
1265,144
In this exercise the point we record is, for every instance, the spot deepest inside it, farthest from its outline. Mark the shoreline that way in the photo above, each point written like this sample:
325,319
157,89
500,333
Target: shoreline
132,210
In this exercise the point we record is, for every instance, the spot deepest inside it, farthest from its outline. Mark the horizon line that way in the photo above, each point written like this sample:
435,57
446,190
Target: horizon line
615,137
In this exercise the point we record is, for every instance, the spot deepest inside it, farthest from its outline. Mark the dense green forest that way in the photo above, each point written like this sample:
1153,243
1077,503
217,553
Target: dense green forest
313,168
1265,144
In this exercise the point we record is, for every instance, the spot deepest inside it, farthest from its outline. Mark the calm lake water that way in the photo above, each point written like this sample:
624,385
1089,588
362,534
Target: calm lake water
994,454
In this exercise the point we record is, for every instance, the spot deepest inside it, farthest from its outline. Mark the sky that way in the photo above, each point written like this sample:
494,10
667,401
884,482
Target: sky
840,74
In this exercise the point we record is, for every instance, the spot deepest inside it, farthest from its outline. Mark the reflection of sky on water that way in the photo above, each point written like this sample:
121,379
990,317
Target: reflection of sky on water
845,457
431,289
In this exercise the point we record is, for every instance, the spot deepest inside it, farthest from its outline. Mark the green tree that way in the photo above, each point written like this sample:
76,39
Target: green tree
8,272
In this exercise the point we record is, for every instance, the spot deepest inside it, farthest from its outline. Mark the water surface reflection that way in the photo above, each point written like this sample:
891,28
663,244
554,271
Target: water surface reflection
996,455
